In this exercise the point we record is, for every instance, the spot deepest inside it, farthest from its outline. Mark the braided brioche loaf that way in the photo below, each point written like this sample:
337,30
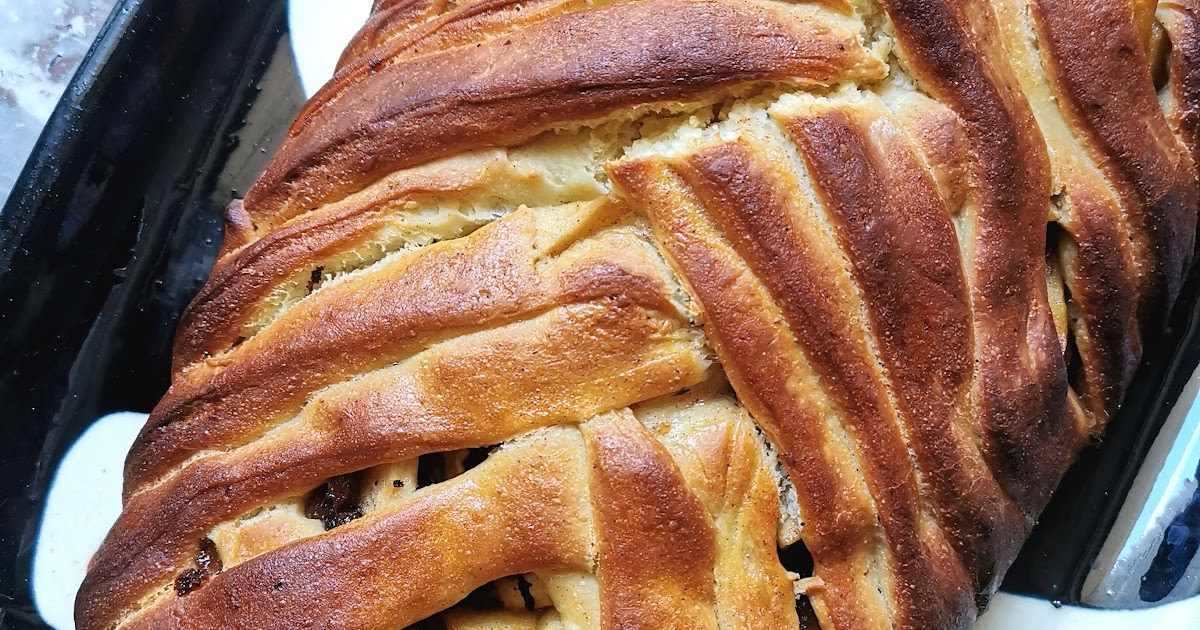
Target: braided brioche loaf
596,314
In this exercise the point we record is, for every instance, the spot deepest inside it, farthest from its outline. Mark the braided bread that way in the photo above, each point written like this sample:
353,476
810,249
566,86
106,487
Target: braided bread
666,314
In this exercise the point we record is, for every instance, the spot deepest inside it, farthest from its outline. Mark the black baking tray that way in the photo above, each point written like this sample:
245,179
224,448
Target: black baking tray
115,221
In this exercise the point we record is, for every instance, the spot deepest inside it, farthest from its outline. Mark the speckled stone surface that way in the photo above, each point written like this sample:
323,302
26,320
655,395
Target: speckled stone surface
41,45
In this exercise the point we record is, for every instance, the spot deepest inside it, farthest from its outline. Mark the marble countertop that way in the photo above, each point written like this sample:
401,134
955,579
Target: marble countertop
41,45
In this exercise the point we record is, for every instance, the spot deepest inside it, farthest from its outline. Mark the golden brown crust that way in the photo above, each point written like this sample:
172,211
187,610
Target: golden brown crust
801,272
248,273
1020,381
923,247
1096,263
1181,19
516,513
228,401
726,466
387,22
578,66
898,236
469,24
1089,248
1146,163
532,374
743,322
655,548
749,204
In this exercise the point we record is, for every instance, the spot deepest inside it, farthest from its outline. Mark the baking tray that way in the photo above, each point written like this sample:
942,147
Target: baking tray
115,221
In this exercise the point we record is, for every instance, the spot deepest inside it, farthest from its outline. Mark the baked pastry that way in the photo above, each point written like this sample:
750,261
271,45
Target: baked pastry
666,314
